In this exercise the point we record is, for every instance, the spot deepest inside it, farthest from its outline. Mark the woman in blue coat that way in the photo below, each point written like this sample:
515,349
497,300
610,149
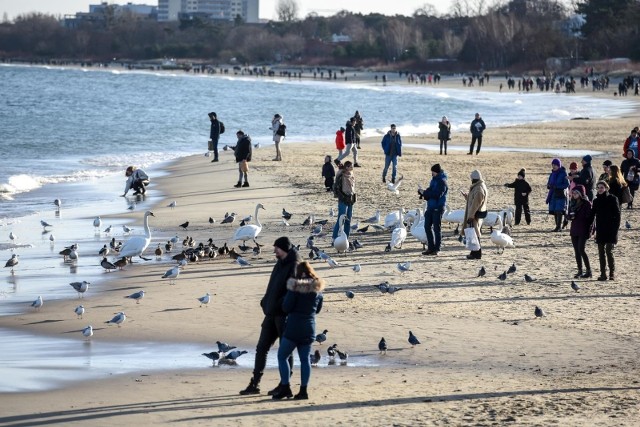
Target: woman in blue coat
302,302
557,196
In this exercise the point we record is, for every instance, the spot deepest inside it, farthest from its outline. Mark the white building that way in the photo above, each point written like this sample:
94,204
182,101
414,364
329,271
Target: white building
168,10
228,10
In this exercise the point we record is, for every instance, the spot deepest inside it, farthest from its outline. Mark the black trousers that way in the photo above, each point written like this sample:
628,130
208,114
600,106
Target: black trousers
527,214
272,329
579,244
473,142
139,184
443,143
605,253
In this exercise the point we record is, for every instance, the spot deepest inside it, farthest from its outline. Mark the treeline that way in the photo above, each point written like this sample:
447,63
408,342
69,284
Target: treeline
517,33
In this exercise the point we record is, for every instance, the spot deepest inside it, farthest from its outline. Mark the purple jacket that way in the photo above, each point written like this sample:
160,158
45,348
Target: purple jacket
581,222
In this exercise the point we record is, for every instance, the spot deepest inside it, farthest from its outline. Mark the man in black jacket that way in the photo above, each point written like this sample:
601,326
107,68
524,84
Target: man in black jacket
214,135
274,317
586,177
243,157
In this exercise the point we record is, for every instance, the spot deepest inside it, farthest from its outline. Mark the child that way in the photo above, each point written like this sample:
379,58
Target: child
521,196
328,173
340,145
573,172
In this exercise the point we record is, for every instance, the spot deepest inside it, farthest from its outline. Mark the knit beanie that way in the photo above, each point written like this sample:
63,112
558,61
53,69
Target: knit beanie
556,162
607,163
587,158
212,115
573,166
436,168
579,189
522,172
476,174
283,243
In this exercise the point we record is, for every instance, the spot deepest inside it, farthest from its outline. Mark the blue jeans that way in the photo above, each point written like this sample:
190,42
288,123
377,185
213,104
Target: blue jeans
433,220
387,161
342,209
286,348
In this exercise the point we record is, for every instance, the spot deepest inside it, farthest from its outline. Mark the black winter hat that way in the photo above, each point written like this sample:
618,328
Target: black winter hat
436,168
283,243
522,172
212,115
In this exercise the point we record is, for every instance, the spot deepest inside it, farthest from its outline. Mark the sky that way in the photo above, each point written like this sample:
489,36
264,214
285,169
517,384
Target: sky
267,7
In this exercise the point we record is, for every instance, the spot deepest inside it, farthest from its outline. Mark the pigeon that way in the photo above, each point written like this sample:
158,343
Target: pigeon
235,354
528,278
482,272
172,204
257,251
322,337
538,312
172,274
404,266
331,351
460,238
383,287
342,355
363,229
356,244
212,221
87,332
350,294
223,347
37,304
512,269
118,319
205,299
286,215
107,230
393,289
627,225
503,276
107,265
242,262
136,296
315,358
12,262
412,339
45,224
126,229
79,311
184,225
456,232
104,251
80,287
575,286
356,268
382,346
214,355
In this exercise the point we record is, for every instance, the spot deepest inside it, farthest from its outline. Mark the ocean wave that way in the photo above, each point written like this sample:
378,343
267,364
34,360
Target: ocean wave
23,183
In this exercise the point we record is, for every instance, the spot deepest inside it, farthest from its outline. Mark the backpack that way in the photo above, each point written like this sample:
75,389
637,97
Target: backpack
282,130
221,127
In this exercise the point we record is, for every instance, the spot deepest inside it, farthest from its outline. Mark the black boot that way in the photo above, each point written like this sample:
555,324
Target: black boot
283,392
238,185
252,388
302,394
479,254
246,184
274,390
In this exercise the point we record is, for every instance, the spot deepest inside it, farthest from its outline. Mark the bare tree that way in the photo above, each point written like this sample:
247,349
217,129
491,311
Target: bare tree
287,10
426,9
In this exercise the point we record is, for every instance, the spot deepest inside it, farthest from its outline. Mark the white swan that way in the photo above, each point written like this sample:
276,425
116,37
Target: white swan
453,216
500,239
417,229
392,218
137,244
250,231
341,243
399,233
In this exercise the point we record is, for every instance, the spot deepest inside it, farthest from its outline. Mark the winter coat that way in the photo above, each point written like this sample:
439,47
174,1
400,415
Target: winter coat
275,125
630,143
615,188
387,142
436,194
302,302
476,202
340,140
557,186
444,131
630,164
586,178
359,125
580,215
137,174
606,212
271,302
214,134
520,186
344,188
477,127
350,134
243,149
328,171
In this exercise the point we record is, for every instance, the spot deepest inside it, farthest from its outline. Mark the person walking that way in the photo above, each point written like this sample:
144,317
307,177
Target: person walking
604,176
476,208
243,157
617,184
557,185
217,128
344,189
302,302
340,145
579,214
477,128
606,213
273,324
521,191
586,177
277,127
350,141
436,197
444,133
392,147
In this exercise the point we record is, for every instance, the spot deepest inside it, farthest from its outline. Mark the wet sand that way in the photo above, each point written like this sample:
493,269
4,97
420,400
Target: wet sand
484,358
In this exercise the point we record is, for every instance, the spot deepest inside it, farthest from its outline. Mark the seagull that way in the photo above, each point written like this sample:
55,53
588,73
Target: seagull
350,294
136,296
538,312
126,229
12,236
45,224
12,262
512,269
247,218
97,223
356,268
332,263
52,238
172,274
104,251
87,332
382,346
482,272
575,286
80,287
107,265
503,276
393,187
223,347
315,358
242,262
172,204
322,337
332,212
184,225
37,304
229,219
235,354
375,219
413,340
317,230
58,203
73,253
108,229
205,299
214,355
79,310
118,319
528,278
404,266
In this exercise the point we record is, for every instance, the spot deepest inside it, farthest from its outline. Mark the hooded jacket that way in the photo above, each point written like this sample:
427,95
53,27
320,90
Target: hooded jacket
388,140
243,149
275,125
340,145
302,302
271,302
476,202
436,194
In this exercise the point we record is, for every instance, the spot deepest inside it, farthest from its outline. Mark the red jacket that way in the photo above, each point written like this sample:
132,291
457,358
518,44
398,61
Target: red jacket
340,140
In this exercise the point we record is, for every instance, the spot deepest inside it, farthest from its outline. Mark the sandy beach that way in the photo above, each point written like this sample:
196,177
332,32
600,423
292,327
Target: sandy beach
484,359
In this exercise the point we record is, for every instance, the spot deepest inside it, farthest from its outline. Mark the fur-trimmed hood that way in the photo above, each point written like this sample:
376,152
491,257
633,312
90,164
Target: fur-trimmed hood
305,286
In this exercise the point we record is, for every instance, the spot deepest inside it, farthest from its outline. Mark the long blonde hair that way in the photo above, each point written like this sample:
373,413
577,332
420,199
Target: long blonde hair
616,175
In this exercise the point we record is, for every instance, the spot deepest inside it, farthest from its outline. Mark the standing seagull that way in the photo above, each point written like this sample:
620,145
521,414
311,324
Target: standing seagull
12,236
172,274
356,268
52,238
136,296
45,224
172,204
205,299
79,311
87,332
58,203
37,304
12,262
80,287
97,223
118,319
